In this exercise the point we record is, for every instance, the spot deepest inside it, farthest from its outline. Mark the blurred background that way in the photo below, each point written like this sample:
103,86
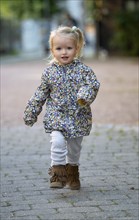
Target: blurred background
110,27
112,49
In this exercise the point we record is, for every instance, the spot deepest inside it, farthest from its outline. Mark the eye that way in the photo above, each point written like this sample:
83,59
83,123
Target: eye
69,48
58,48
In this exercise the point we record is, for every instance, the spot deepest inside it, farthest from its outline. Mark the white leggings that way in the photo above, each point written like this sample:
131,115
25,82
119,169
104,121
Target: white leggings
64,150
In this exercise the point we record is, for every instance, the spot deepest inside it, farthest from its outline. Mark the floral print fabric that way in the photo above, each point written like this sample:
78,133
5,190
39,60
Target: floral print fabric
60,88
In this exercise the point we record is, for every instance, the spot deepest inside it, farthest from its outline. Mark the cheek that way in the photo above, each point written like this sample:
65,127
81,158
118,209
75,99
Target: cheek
54,52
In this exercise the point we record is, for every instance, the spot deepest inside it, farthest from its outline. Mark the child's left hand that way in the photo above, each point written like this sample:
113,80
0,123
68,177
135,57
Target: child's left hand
82,102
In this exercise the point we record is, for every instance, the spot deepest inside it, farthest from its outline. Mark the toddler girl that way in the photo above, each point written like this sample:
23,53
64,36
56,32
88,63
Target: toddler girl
68,87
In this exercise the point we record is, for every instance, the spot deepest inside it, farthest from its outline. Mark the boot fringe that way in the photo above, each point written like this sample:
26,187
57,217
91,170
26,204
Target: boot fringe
73,177
59,176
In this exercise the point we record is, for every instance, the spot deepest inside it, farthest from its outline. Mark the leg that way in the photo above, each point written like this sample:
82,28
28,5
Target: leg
74,148
58,160
73,156
58,148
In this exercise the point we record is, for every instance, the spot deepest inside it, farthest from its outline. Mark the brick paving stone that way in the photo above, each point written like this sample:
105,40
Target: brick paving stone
108,171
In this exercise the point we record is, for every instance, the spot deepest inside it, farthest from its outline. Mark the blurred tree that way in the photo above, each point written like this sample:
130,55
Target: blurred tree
94,10
22,9
116,24
126,37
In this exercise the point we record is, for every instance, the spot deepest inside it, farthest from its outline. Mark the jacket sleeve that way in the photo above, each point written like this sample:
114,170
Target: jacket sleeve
89,90
35,103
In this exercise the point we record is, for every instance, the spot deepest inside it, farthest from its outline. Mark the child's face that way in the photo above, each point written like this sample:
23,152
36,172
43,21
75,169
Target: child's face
64,49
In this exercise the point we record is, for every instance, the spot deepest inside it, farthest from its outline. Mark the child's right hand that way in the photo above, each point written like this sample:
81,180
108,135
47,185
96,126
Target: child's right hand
29,122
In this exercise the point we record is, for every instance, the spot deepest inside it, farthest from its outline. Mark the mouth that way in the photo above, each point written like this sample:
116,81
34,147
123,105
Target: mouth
64,58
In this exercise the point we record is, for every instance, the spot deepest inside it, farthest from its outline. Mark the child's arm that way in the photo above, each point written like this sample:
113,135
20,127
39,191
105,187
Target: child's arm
35,103
88,92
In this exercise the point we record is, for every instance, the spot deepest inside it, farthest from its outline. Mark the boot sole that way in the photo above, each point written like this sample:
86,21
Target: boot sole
73,187
56,185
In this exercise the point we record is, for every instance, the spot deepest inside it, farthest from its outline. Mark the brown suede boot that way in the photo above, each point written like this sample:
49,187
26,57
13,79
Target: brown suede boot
73,177
59,176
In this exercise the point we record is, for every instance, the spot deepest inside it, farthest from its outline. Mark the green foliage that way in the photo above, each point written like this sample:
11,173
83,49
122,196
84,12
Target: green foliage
126,36
22,9
93,8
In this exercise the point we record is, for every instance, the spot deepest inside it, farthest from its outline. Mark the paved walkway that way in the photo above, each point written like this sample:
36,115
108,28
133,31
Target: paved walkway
108,171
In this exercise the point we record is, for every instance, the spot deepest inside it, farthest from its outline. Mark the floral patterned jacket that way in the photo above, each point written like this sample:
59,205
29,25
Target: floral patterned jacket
61,87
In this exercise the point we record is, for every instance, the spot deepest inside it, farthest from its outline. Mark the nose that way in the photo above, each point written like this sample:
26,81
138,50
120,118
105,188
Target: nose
64,51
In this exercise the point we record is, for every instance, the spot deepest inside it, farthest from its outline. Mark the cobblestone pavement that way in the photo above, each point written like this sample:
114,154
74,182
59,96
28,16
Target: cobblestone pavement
109,160
108,172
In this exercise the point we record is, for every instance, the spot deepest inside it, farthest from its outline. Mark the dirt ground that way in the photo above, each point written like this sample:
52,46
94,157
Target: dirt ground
116,103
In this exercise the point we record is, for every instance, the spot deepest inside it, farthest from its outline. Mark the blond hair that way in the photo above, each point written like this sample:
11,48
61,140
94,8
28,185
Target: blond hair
75,33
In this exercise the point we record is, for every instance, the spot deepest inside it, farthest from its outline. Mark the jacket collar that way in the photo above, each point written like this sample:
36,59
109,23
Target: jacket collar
73,63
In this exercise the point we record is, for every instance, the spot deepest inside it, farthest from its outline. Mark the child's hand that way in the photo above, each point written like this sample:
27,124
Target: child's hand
29,122
82,102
